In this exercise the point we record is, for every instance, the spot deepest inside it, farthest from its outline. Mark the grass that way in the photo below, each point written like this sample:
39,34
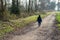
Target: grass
24,21
4,28
58,20
58,17
20,23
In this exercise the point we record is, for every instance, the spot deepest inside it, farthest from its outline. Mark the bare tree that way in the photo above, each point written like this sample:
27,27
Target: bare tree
30,6
35,5
1,9
15,7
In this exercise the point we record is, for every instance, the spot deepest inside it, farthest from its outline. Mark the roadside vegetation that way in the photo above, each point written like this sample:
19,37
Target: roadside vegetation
11,25
58,20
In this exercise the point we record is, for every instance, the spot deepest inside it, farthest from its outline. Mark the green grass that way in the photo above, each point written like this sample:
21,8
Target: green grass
5,28
24,21
58,25
58,20
58,17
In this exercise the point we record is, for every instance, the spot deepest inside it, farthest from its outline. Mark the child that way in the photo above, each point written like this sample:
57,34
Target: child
39,20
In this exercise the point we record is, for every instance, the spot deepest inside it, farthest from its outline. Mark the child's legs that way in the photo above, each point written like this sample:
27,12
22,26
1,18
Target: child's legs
39,24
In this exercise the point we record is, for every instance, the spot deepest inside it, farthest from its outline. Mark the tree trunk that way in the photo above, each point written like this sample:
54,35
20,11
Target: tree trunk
2,10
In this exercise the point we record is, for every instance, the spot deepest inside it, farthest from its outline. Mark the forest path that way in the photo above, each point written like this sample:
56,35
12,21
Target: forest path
44,32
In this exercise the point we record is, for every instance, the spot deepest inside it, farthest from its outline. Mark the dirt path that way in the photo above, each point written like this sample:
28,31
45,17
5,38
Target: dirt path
44,32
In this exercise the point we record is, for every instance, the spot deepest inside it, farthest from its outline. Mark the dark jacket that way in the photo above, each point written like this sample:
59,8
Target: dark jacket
39,19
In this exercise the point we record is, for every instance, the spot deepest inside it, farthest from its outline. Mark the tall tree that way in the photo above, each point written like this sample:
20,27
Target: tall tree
58,6
35,5
15,7
29,6
45,4
52,5
18,11
1,9
26,6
